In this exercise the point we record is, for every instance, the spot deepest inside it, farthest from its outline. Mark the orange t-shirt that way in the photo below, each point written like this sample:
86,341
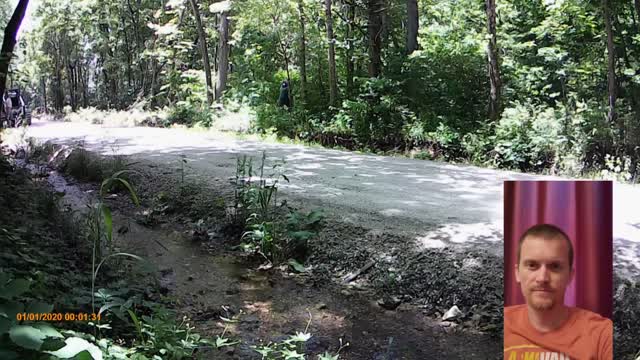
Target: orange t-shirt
584,336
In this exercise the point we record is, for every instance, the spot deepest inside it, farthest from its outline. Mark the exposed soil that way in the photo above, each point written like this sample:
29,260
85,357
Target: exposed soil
208,283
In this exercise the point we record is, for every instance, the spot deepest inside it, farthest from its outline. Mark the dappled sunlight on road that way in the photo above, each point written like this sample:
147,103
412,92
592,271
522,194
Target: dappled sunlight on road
387,193
475,234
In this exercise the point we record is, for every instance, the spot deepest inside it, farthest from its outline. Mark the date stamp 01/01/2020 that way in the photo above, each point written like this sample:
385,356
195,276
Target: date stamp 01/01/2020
30,316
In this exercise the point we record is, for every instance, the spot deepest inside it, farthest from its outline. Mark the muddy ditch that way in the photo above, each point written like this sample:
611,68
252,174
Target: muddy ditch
209,281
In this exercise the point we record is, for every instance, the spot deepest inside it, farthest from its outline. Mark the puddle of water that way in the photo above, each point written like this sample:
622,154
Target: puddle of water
73,196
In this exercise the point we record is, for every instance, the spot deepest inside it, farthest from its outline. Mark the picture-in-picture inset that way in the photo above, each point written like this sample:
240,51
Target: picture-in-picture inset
558,270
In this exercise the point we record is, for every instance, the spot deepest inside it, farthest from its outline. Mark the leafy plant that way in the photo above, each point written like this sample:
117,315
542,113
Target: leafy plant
33,339
256,199
293,347
161,336
618,169
300,228
100,223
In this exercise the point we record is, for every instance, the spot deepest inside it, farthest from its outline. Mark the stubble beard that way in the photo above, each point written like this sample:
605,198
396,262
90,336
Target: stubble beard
541,304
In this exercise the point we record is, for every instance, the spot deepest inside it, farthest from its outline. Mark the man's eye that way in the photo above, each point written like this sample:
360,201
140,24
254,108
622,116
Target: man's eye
531,266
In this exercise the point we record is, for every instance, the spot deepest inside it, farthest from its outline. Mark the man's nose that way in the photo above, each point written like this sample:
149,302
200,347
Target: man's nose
542,274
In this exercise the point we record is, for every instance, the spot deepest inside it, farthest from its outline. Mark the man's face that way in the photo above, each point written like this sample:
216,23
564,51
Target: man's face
543,271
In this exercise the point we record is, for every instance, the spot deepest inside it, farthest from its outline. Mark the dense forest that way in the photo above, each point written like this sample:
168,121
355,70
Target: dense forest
209,259
545,85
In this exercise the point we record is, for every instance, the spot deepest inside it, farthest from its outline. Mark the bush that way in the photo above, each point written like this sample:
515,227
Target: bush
269,116
376,118
445,142
189,114
129,118
527,138
294,123
478,145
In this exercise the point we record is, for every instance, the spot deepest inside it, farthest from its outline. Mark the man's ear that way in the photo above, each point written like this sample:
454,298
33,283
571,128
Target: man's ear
515,268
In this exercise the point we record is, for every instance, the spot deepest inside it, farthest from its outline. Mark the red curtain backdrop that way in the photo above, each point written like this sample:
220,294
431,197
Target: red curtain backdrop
583,210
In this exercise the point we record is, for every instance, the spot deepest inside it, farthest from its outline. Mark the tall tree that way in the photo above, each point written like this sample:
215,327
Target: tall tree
375,9
223,55
202,38
9,42
333,81
412,26
494,69
303,51
351,19
222,8
611,63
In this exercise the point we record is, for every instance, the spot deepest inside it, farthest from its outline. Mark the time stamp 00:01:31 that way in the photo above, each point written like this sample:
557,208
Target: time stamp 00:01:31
57,317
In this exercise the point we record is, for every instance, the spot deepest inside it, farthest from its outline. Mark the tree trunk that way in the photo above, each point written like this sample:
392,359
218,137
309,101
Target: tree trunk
44,94
223,55
412,26
494,67
9,42
384,20
375,39
203,49
83,83
139,48
154,67
70,81
636,4
303,51
351,16
59,91
128,54
611,67
319,75
333,82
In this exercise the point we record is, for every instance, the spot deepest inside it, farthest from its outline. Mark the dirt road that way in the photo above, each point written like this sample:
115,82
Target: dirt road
437,204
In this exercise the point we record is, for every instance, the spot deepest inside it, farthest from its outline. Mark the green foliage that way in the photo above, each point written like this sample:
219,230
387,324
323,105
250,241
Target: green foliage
192,109
100,225
528,138
160,335
293,347
270,117
479,145
433,102
256,202
445,142
31,339
48,282
257,209
300,228
189,114
286,349
618,169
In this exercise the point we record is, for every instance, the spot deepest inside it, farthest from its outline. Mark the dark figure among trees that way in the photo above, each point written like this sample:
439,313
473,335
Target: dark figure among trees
283,99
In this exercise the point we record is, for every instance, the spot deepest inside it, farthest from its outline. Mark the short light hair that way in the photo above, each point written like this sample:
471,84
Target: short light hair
547,232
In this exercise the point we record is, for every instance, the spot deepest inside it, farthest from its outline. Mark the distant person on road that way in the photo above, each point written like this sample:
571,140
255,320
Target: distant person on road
6,102
544,328
12,100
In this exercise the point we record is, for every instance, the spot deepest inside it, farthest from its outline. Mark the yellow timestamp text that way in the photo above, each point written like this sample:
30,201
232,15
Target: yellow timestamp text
29,316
